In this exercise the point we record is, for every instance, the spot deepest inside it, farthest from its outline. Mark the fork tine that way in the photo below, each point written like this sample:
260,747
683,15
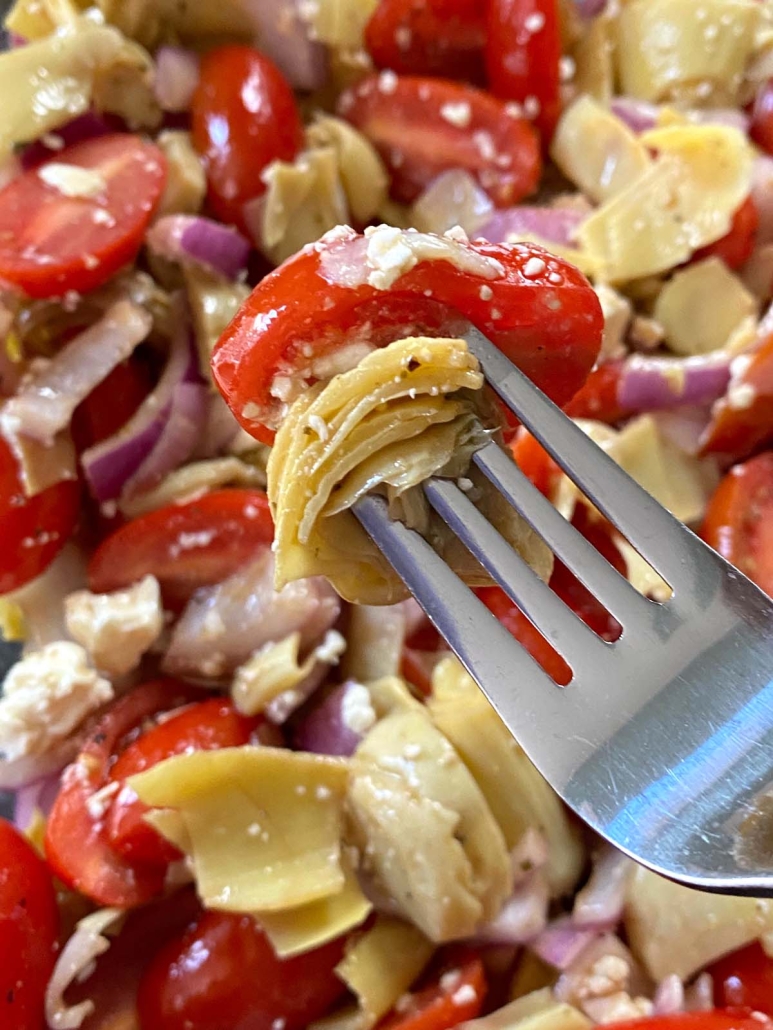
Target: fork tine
568,634
578,554
488,651
660,538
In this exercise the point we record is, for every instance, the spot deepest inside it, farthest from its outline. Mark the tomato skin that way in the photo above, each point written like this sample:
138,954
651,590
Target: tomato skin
29,927
736,247
51,243
744,979
433,1007
77,848
33,530
228,526
223,972
597,399
761,129
204,726
444,38
736,431
404,119
718,1019
243,117
523,52
739,519
557,354
535,462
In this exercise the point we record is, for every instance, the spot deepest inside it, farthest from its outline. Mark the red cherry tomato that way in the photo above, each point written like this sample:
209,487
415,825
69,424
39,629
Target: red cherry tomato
736,247
455,995
422,127
223,972
739,519
552,331
571,592
110,406
719,1019
597,399
429,37
523,52
33,530
29,927
185,546
51,243
535,462
744,980
738,429
205,726
761,130
77,847
243,117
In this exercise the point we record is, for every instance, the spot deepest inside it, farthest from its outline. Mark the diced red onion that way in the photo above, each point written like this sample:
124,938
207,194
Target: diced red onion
669,996
325,730
285,36
453,198
523,916
177,76
732,117
590,8
699,996
685,426
112,463
41,795
219,248
552,224
561,943
638,115
85,126
762,195
220,428
650,383
45,402
600,902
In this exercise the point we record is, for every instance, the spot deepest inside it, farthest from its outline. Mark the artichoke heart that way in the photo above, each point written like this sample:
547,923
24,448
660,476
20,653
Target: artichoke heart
408,411
425,828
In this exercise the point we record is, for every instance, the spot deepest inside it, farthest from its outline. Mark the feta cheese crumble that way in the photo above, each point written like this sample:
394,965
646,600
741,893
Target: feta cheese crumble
72,180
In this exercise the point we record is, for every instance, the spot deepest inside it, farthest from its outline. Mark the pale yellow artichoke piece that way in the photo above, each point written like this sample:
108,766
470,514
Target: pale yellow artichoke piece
701,307
594,67
186,183
665,45
362,172
683,201
536,1011
597,151
341,23
675,929
213,302
35,19
404,413
264,824
516,792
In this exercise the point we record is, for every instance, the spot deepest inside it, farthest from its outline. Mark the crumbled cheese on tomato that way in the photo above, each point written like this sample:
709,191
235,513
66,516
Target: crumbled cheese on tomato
391,252
72,180
117,629
459,114
464,995
47,695
357,712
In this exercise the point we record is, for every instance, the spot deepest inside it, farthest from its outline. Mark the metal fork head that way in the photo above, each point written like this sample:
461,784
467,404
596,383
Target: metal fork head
663,740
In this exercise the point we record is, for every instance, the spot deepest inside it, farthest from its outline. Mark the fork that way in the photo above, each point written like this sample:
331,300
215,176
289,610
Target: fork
663,740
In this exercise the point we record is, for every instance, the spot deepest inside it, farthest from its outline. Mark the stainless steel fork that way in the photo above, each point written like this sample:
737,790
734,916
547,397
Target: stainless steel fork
663,740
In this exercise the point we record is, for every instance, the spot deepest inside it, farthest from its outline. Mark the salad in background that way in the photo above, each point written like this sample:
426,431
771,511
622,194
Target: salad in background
238,244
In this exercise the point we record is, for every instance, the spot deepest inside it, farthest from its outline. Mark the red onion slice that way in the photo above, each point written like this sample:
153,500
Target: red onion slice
177,76
523,916
111,464
562,943
652,383
638,115
41,795
337,725
285,36
45,402
551,224
669,996
762,195
185,238
590,8
600,902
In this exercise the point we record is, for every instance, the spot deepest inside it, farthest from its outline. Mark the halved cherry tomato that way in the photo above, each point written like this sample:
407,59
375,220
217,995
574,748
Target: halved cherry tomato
761,129
551,330
571,592
744,979
243,117
739,519
535,462
29,927
597,399
111,404
51,242
223,972
77,847
422,127
523,52
185,546
205,726
456,994
33,530
429,37
719,1019
742,420
736,247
